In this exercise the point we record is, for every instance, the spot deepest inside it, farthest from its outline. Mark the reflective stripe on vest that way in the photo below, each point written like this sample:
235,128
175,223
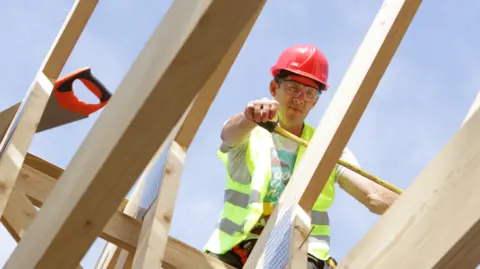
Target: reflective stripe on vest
319,240
243,203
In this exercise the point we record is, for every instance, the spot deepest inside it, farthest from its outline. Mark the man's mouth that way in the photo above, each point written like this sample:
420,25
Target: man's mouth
295,109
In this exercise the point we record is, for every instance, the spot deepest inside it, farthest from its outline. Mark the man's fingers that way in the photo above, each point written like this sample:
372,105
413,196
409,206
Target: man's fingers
249,111
261,110
265,112
257,112
273,111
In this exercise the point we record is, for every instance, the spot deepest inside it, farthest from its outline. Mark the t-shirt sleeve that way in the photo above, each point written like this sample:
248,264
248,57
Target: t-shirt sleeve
348,157
237,164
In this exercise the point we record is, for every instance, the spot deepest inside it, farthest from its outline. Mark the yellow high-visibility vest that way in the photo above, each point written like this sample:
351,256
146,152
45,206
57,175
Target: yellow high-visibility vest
243,205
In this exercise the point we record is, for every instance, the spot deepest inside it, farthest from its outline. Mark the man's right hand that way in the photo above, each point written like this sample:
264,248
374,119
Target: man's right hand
238,127
261,110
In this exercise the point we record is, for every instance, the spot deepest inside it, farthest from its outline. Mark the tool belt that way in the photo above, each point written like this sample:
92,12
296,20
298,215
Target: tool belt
244,249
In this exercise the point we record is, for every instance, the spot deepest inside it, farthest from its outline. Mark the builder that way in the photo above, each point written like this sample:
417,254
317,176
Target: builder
259,163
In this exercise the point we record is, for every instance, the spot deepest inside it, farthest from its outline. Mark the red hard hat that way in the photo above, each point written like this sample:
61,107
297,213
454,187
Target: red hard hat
305,60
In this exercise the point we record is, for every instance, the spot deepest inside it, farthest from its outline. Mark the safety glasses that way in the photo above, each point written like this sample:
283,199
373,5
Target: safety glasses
295,89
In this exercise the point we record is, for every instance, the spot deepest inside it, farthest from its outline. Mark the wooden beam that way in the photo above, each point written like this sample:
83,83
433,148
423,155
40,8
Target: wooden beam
436,221
14,146
342,115
209,91
19,135
356,89
179,255
18,215
121,229
36,180
113,256
126,258
473,108
115,152
298,251
67,37
35,184
108,259
156,225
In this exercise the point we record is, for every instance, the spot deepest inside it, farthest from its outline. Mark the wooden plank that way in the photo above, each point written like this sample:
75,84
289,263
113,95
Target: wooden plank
37,178
113,256
473,108
43,166
108,261
298,252
14,146
18,215
342,115
35,184
67,37
436,221
209,91
156,225
122,229
115,152
287,246
25,122
357,86
125,258
179,255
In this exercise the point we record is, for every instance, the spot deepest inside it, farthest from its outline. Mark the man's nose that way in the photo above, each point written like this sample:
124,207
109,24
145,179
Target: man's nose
298,101
300,98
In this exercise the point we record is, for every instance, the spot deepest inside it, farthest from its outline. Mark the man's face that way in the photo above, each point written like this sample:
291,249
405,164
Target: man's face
295,99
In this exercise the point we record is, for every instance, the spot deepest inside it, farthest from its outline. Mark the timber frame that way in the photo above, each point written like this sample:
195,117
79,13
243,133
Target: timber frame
92,204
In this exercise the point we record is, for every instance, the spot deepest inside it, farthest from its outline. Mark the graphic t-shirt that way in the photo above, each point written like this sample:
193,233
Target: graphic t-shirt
283,154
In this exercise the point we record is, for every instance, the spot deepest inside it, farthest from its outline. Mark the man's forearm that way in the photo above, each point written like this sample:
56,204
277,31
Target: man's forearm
375,197
236,130
381,200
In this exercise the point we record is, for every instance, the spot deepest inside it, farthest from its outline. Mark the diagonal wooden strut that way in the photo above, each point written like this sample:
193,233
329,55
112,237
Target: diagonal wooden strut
18,137
156,225
436,222
342,115
37,179
139,121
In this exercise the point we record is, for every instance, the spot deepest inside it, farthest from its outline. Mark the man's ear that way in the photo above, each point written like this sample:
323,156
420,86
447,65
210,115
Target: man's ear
273,88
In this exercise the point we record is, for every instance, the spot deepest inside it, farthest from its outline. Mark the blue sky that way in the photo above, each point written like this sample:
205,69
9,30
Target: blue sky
420,102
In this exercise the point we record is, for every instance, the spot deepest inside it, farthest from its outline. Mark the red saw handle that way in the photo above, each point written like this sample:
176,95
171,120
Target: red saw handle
63,90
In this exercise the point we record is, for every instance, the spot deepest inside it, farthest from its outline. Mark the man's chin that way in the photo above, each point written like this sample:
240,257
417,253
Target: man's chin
295,118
